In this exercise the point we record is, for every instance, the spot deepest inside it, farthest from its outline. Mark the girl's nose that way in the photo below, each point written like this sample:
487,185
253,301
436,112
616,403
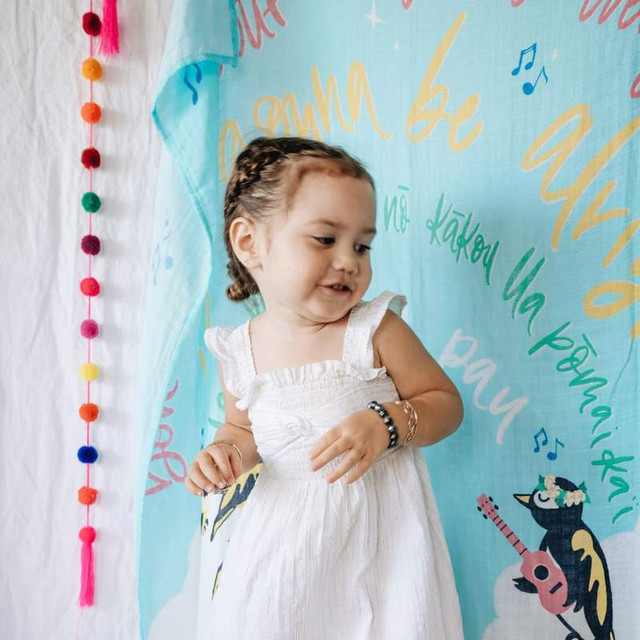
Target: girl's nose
346,260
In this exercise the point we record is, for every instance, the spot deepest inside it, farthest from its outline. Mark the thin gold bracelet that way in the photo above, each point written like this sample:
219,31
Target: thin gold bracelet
407,407
228,442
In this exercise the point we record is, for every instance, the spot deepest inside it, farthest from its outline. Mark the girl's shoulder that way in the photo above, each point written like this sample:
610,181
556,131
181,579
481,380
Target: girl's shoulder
365,318
367,314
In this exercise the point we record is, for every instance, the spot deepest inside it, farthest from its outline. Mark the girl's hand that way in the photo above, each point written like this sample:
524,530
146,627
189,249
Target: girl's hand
217,465
363,435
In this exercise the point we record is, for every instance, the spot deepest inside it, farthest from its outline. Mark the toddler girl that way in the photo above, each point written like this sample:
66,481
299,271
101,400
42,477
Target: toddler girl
340,538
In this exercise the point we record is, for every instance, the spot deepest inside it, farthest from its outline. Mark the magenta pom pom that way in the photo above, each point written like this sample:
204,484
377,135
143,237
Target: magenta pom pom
90,245
89,328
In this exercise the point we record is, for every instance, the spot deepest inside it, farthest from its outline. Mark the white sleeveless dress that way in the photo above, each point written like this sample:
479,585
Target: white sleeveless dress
309,560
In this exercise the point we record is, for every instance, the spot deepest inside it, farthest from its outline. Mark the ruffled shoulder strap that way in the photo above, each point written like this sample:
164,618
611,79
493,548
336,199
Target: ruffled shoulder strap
364,319
227,345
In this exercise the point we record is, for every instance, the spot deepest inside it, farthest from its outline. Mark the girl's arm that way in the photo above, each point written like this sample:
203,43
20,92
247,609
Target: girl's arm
237,428
418,379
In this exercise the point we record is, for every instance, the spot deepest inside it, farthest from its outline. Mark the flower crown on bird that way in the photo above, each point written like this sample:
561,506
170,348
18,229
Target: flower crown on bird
562,497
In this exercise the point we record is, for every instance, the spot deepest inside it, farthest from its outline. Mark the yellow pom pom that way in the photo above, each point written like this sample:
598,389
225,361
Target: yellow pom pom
89,371
91,69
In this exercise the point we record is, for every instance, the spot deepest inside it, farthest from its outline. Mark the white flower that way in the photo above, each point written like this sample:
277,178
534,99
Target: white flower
574,497
551,488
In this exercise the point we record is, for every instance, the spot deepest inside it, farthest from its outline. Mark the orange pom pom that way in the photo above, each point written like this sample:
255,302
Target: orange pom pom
87,495
91,112
89,412
91,69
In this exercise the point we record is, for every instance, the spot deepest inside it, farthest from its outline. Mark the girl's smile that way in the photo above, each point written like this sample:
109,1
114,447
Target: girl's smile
336,292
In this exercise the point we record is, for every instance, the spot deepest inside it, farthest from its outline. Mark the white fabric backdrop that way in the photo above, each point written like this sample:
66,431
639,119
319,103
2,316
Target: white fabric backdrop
42,46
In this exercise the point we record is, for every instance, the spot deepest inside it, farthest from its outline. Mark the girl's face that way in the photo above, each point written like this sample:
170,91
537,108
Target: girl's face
323,240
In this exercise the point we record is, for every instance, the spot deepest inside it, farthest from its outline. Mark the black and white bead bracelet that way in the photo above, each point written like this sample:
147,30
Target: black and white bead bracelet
391,428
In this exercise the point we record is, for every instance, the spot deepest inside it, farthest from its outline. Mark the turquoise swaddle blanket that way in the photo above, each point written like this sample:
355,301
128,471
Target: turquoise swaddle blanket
502,138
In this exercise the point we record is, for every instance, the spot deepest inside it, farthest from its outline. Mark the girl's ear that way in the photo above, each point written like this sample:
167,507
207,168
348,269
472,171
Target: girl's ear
244,237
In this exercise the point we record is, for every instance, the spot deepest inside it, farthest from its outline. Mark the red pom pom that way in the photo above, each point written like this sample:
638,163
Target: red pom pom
89,328
89,412
91,23
90,287
90,245
87,534
91,158
87,495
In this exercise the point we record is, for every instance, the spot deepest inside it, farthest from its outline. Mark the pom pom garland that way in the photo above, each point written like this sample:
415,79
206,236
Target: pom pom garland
89,328
90,245
91,202
89,412
90,158
91,112
91,69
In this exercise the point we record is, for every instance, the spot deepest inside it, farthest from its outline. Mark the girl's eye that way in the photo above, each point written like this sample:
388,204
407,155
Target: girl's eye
322,238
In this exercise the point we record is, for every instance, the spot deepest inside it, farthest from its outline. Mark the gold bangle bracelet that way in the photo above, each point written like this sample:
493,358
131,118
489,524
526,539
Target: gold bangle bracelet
228,442
408,408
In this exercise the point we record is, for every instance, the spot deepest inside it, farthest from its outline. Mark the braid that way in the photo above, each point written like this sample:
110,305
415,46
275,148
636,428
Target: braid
265,176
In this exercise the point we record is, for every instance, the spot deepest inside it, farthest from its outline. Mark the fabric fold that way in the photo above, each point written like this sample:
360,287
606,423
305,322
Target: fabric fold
202,37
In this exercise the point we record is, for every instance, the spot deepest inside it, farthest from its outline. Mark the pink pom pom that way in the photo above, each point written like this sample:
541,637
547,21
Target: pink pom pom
87,577
87,534
89,328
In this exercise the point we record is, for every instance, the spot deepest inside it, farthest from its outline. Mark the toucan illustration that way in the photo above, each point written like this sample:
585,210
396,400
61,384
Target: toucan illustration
556,505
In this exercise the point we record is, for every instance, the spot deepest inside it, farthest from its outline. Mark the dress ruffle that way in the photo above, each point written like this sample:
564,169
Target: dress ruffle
224,342
309,373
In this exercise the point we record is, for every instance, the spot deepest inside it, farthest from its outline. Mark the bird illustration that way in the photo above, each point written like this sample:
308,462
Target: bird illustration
556,505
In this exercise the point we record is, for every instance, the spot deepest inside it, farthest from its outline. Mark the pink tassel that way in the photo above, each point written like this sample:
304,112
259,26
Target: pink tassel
109,40
87,535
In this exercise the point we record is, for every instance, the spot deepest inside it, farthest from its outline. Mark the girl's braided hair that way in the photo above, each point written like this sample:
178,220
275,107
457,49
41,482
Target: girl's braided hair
264,178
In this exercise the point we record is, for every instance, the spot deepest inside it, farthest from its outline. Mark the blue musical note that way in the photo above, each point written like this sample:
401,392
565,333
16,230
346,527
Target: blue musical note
527,87
529,64
542,436
546,440
552,455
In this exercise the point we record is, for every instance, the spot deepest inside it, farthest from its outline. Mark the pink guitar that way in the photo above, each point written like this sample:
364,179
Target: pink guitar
537,567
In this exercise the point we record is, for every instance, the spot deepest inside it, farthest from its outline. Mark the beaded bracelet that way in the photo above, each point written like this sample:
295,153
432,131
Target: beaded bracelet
391,428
